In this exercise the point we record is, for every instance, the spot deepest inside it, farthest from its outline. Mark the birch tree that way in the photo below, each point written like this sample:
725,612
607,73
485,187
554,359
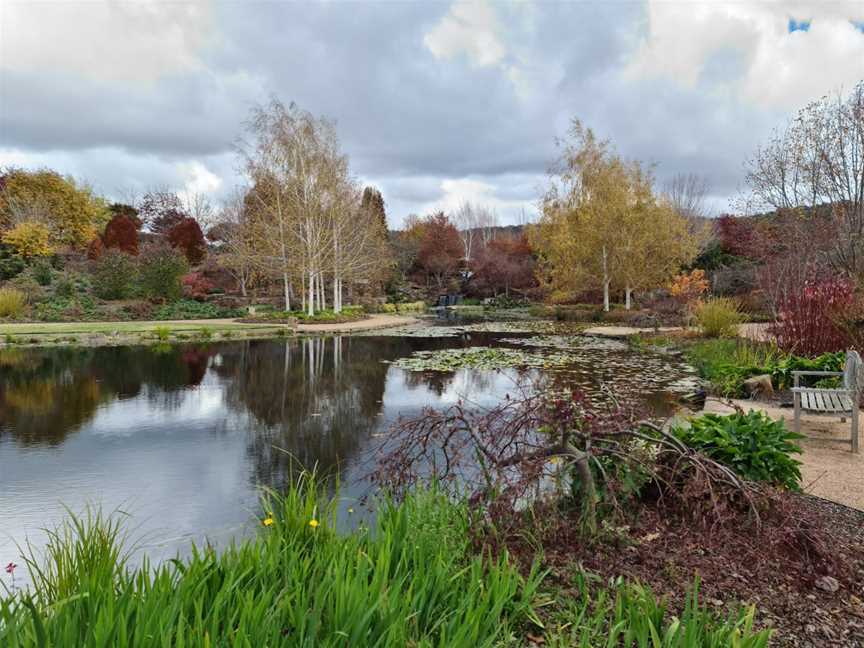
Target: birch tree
310,228
602,225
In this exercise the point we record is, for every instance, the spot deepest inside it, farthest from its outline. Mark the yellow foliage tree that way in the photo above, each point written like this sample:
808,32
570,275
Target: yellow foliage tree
70,211
602,225
30,239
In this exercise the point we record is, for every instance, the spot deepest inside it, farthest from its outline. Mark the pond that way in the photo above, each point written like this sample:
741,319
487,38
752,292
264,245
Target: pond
180,438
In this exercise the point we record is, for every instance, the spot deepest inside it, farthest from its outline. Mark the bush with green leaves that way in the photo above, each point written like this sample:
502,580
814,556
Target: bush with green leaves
727,363
192,309
42,272
11,264
756,447
113,275
719,317
160,270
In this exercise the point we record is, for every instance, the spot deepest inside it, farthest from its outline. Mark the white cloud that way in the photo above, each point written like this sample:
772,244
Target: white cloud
199,179
138,41
471,29
455,191
752,52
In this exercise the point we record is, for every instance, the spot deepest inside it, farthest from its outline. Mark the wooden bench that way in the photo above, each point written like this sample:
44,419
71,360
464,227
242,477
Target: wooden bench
845,400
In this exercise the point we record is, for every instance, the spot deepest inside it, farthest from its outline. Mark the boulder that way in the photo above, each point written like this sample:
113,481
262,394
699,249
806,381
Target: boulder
759,386
827,584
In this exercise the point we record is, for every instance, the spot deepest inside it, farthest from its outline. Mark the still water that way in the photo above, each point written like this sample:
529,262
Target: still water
180,438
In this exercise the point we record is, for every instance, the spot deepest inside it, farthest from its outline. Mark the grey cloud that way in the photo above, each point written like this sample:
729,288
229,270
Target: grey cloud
407,120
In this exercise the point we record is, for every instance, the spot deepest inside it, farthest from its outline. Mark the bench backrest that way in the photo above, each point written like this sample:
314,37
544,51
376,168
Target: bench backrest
852,372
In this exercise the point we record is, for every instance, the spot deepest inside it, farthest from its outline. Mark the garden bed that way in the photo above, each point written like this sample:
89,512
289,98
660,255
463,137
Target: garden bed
781,569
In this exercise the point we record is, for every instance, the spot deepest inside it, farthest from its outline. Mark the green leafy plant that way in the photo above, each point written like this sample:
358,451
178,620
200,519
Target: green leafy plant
12,302
113,275
65,287
160,269
754,446
42,272
718,317
191,309
629,614
162,333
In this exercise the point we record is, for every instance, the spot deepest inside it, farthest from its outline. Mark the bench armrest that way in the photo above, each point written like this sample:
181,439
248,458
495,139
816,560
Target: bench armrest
801,390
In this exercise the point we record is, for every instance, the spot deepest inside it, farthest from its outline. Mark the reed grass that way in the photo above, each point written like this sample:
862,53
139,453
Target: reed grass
413,578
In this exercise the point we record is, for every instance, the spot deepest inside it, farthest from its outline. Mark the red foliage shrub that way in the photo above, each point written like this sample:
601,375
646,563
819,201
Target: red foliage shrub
806,316
121,233
505,264
736,235
440,250
95,249
187,237
196,286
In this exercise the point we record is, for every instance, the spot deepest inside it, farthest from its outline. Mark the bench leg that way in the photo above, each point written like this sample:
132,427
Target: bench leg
797,399
855,427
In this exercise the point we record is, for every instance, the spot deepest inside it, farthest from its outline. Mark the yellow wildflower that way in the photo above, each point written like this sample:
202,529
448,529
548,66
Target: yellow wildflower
267,521
350,510
313,523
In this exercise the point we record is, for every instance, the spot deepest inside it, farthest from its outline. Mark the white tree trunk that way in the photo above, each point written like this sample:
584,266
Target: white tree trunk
605,280
285,286
627,292
311,301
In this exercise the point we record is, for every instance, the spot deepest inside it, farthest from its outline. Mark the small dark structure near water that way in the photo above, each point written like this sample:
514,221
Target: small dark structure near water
450,299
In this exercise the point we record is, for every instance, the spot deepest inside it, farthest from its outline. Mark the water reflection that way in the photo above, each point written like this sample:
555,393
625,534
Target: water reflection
181,437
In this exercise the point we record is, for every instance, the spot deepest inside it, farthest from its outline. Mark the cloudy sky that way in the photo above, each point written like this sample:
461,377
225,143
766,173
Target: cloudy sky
435,102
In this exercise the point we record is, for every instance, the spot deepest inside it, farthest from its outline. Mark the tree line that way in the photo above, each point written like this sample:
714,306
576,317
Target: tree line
302,221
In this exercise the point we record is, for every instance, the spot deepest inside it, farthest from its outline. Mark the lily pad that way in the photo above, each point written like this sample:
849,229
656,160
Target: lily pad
484,358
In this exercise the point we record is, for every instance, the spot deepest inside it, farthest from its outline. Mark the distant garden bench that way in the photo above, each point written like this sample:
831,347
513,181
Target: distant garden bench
845,400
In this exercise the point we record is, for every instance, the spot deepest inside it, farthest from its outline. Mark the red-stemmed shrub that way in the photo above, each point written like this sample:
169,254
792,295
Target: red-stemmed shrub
187,237
807,316
121,233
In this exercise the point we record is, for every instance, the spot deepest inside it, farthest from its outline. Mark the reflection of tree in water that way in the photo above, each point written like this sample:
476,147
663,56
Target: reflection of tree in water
314,400
47,393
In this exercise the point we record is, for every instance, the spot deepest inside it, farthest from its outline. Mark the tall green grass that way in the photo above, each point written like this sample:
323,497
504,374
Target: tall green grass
628,614
412,580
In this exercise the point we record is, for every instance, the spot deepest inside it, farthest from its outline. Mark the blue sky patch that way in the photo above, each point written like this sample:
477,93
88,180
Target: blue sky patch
798,25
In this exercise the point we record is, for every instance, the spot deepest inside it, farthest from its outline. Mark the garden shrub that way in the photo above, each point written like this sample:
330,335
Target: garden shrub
113,275
42,272
12,302
160,268
191,309
196,286
187,237
718,317
121,233
65,287
754,446
11,264
806,316
411,307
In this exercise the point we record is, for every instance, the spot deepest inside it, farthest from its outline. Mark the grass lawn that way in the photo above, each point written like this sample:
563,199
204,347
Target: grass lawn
67,328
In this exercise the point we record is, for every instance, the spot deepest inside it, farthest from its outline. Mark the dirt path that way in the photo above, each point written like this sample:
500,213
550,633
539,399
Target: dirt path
829,469
368,324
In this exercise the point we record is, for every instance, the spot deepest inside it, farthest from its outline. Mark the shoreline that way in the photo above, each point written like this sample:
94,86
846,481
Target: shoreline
97,334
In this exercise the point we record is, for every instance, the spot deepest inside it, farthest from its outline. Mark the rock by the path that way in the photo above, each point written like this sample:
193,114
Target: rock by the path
759,386
827,584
